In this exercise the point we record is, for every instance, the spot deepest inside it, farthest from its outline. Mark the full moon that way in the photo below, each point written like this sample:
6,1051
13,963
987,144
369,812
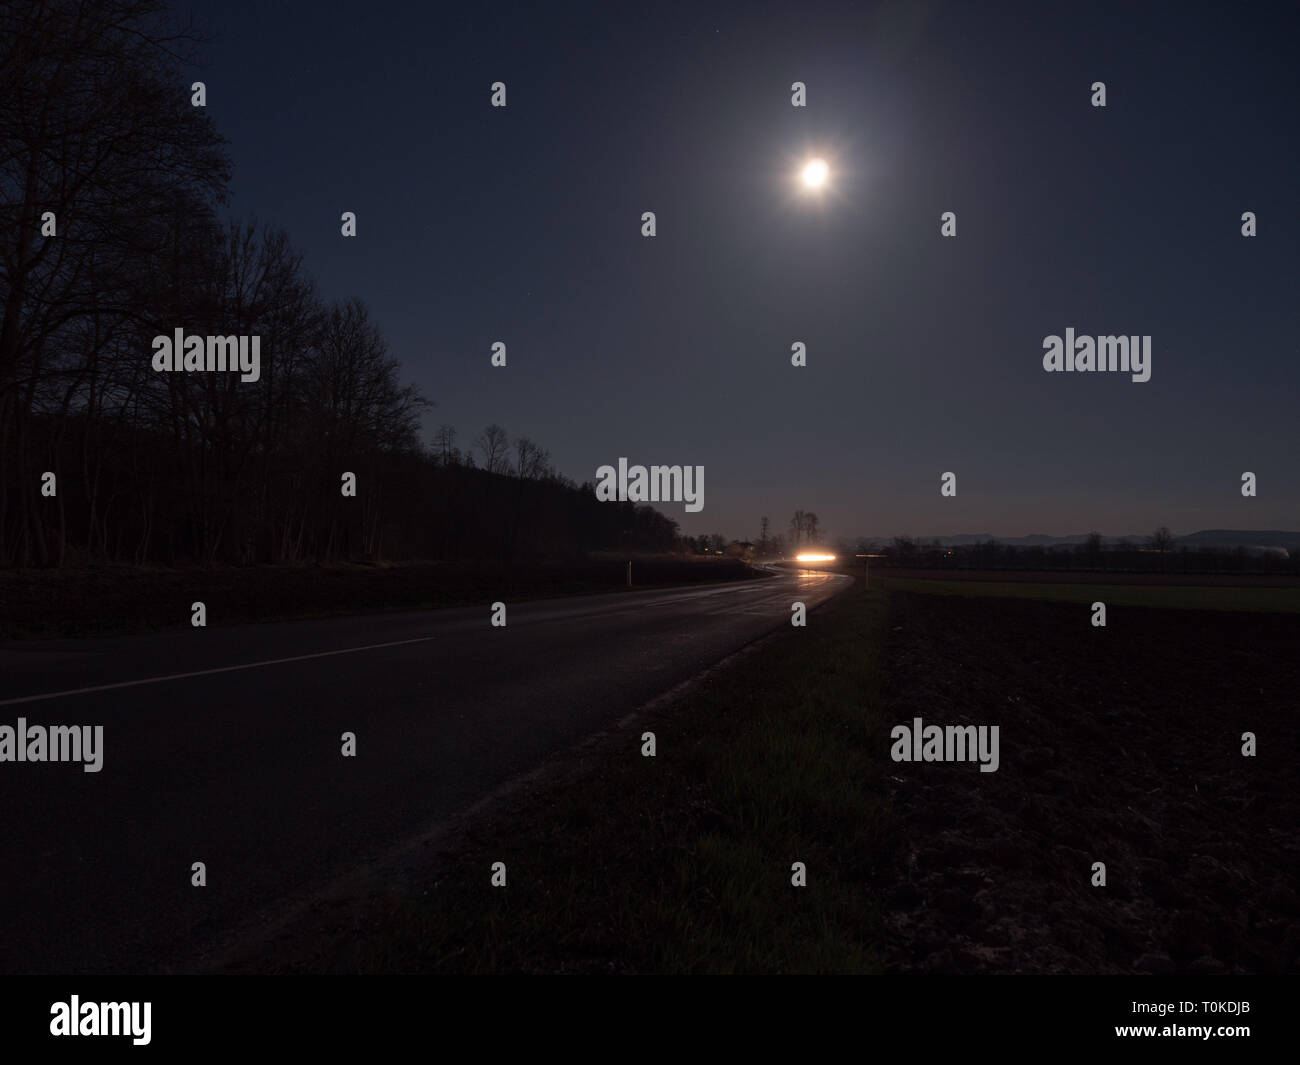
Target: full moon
815,173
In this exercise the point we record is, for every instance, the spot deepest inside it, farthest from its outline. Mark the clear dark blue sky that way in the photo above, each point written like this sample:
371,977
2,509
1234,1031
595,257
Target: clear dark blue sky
924,354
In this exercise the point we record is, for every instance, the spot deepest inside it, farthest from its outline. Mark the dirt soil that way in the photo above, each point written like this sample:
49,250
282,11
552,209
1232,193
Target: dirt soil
1120,745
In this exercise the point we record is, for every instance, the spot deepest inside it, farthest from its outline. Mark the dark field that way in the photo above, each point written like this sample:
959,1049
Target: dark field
102,600
1010,576
1213,598
1120,745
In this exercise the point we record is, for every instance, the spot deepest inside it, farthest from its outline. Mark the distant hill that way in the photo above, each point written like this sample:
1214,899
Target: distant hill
1240,538
1032,540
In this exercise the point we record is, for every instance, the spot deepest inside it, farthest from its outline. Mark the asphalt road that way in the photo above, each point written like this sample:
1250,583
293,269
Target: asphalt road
222,745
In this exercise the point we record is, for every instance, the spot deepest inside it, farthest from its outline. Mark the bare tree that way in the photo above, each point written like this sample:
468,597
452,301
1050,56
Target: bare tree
533,463
812,526
98,141
495,446
444,442
356,411
764,529
1161,540
1094,547
797,526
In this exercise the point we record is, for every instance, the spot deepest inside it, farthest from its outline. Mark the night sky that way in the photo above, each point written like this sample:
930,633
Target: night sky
522,224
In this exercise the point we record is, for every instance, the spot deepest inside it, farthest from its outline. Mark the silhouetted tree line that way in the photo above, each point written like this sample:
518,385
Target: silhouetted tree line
110,185
1159,553
707,544
454,507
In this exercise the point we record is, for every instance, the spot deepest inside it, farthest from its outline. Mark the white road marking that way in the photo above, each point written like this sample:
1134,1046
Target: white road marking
209,672
354,650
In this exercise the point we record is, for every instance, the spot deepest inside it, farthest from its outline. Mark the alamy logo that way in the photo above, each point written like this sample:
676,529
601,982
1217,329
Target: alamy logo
193,354
102,1018
946,743
58,743
1109,353
658,484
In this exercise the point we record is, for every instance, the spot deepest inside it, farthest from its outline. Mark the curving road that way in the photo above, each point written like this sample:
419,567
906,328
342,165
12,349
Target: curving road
222,745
